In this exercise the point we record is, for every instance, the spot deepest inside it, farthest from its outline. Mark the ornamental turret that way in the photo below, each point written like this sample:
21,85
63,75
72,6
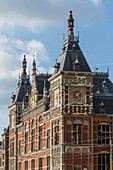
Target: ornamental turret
24,65
34,67
70,24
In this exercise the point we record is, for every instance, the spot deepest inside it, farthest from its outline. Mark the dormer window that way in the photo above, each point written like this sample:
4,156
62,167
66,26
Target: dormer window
26,83
76,64
57,66
104,83
27,97
63,49
13,98
74,47
102,107
98,92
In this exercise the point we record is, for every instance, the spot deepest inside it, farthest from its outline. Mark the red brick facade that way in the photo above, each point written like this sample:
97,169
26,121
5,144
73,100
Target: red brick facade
59,130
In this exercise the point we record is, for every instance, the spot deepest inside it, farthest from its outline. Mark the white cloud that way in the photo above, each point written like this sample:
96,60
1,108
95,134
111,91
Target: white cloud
96,2
11,55
38,15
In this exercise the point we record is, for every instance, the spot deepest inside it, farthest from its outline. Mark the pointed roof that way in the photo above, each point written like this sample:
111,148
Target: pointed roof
68,57
24,85
102,96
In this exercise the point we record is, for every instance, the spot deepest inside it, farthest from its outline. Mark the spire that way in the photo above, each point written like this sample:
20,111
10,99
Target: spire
34,67
70,24
24,65
34,64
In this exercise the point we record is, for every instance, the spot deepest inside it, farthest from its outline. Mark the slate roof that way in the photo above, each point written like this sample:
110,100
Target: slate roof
69,56
22,90
40,78
104,94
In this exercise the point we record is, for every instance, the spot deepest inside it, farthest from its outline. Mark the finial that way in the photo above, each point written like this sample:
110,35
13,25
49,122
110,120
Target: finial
70,24
34,64
34,68
34,55
24,66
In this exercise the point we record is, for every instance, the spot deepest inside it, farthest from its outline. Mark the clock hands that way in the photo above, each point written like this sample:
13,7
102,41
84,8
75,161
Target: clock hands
78,95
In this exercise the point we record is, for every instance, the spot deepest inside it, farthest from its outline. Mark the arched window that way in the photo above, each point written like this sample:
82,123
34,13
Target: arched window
85,158
77,131
77,162
83,81
52,134
26,137
87,81
32,135
85,131
69,159
79,80
68,131
56,132
40,132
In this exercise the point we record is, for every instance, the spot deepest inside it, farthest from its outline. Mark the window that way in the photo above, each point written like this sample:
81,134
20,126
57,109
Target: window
40,132
68,131
19,165
32,136
77,162
103,134
12,121
104,161
40,137
40,163
33,164
48,162
26,165
19,147
56,130
77,133
12,147
52,133
26,137
56,97
48,138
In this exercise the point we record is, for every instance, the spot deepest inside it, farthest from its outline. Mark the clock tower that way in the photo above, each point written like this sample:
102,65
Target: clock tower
71,88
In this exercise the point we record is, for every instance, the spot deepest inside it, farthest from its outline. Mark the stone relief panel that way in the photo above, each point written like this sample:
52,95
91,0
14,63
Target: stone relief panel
56,158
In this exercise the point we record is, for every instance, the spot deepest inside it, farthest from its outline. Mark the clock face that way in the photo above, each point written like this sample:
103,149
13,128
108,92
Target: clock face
77,95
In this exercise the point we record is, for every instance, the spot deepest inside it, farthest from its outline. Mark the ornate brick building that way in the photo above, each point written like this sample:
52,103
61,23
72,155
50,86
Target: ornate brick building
62,121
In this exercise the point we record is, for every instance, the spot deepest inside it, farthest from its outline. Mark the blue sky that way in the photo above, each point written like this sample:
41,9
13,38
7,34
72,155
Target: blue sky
38,25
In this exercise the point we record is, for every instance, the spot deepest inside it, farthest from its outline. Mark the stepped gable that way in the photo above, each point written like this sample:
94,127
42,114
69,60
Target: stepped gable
102,94
40,79
71,51
23,86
